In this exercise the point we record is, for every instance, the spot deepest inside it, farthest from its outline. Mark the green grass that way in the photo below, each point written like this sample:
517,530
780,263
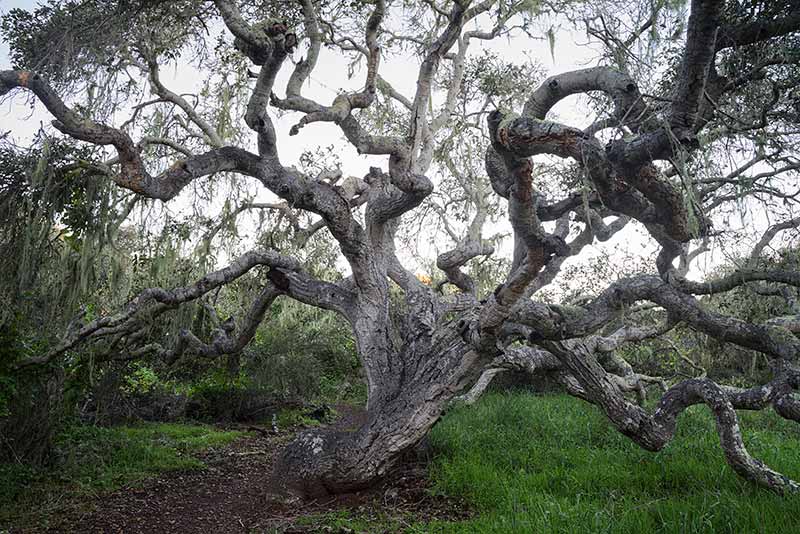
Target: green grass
554,464
294,417
524,463
93,460
348,521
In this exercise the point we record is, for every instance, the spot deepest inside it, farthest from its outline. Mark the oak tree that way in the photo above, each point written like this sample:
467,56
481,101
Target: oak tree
693,112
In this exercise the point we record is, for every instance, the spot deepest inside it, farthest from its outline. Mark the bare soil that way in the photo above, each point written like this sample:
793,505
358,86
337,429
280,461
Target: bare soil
233,494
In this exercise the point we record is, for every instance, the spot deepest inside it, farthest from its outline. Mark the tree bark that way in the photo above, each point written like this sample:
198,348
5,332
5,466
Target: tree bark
404,404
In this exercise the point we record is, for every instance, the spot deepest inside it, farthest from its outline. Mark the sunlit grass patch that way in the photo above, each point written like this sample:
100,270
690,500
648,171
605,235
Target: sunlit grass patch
555,464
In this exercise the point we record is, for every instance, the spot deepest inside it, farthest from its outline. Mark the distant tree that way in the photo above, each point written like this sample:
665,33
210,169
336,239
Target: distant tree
692,118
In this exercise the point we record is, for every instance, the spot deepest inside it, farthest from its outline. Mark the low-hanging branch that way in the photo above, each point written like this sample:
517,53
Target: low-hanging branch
419,355
152,302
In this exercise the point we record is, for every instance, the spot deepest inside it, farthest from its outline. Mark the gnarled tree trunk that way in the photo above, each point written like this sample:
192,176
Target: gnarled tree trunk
425,351
406,399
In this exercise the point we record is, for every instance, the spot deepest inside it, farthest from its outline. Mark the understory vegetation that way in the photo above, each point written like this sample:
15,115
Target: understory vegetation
520,462
548,464
309,235
544,463
91,460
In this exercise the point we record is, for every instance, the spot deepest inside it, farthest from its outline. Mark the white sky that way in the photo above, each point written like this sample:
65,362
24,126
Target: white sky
330,75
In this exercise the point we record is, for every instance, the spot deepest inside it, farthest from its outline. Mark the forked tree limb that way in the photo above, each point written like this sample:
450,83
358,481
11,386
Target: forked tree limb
555,322
653,431
285,274
133,174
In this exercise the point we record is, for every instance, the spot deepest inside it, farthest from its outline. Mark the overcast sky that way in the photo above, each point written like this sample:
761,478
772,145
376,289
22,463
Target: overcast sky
569,53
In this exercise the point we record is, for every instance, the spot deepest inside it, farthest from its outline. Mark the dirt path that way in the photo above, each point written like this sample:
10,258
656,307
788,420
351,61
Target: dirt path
233,495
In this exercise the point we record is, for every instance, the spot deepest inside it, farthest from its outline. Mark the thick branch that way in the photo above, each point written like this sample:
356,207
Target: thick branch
154,301
629,108
654,431
653,200
556,322
133,175
697,60
253,40
222,342
306,65
754,32
769,234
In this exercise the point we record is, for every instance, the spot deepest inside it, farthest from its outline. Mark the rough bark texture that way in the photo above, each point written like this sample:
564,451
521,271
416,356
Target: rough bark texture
419,358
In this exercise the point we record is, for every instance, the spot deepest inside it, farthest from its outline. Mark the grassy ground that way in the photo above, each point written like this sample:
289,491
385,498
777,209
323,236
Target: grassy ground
523,463
554,464
94,460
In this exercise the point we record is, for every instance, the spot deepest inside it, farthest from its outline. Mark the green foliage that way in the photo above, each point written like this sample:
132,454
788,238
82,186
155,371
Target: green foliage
748,302
62,39
46,178
555,464
297,417
143,379
378,521
105,458
31,407
12,349
304,353
95,459
217,381
57,220
217,396
726,362
299,355
490,74
7,390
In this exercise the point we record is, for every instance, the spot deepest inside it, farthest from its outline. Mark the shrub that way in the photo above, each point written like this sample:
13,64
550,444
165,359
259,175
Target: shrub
129,393
31,403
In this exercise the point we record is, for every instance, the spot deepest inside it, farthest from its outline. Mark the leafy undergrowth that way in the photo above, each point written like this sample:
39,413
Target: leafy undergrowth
521,463
554,464
94,460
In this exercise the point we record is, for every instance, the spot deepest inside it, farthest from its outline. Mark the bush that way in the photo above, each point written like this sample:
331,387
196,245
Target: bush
304,353
31,403
34,415
130,393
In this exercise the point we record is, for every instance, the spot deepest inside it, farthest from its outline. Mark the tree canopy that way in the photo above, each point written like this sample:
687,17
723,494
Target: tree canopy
687,118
